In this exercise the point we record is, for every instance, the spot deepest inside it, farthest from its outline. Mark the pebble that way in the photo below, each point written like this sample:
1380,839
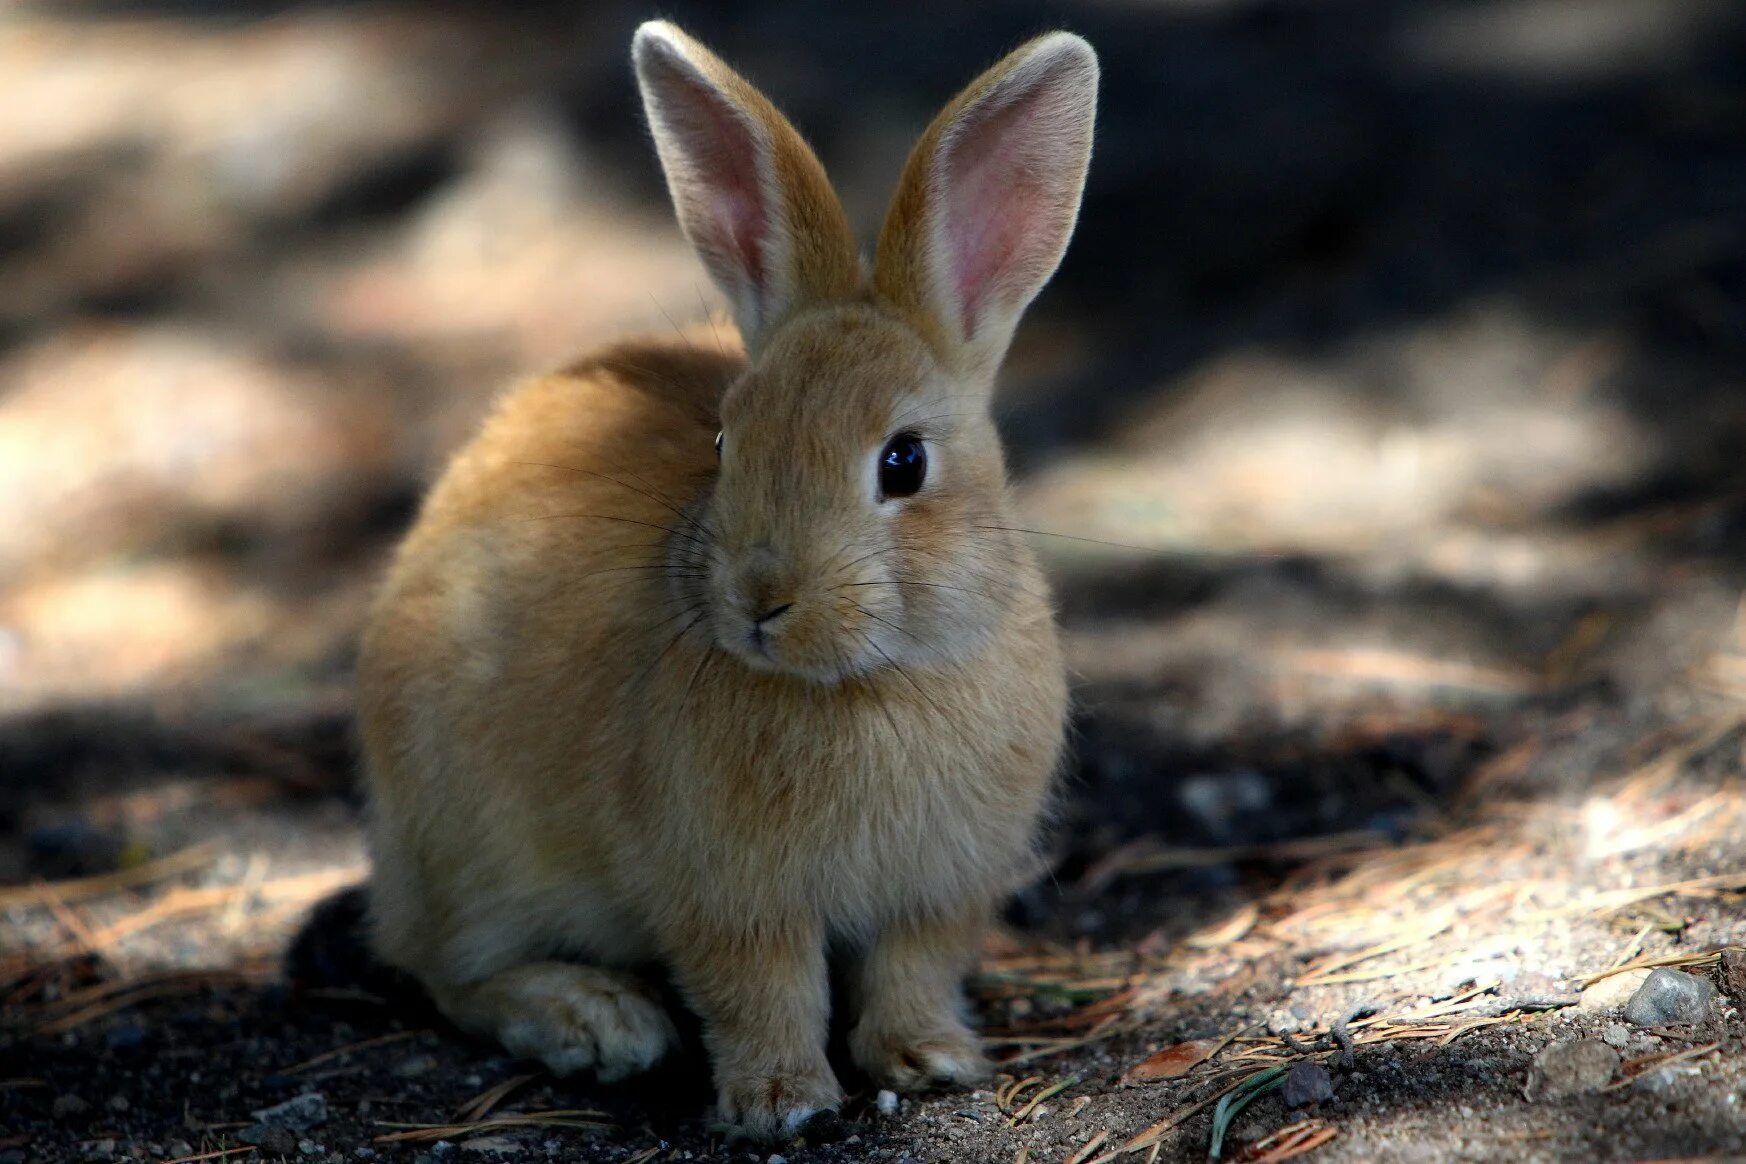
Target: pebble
310,1148
1663,1079
416,1066
1222,802
118,1103
886,1102
179,1148
1670,998
496,1145
299,1113
1285,1021
1308,1083
777,1160
1576,1067
1612,992
271,1139
68,1105
1616,1036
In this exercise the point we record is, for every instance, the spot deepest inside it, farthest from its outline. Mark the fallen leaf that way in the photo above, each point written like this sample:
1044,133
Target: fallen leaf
1171,1062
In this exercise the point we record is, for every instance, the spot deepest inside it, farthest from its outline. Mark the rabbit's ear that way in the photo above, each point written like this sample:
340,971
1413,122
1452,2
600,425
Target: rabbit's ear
751,197
988,200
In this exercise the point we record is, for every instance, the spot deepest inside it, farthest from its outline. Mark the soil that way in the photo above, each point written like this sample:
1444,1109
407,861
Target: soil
1384,435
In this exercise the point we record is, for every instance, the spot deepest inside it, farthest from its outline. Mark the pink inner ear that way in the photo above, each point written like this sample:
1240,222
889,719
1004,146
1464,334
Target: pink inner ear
732,220
1001,202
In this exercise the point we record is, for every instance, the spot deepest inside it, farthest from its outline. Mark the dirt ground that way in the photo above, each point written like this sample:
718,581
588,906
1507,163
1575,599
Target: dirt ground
1385,433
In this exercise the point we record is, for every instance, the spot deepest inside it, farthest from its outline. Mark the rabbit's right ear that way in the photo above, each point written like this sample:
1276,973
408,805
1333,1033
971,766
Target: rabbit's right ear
750,195
988,200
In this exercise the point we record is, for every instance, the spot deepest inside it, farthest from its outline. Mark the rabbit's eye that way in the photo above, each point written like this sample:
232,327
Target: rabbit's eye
903,466
718,437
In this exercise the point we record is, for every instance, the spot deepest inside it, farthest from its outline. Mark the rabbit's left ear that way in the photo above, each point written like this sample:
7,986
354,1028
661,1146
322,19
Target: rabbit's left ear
988,200
751,196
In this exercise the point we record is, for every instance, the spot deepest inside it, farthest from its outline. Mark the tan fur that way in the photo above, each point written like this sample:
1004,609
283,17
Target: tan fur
581,763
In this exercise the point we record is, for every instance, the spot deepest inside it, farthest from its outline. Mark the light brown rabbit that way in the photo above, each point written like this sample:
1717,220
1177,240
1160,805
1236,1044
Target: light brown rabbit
716,663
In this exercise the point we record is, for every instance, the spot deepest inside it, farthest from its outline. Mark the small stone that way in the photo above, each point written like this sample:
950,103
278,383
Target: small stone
775,1159
364,1153
1251,1129
1661,1080
886,1102
118,1103
179,1148
416,1066
1284,1022
1308,1083
496,1145
68,1105
310,1148
1734,973
271,1139
1616,1036
1576,1067
100,1150
1670,998
300,1113
1613,992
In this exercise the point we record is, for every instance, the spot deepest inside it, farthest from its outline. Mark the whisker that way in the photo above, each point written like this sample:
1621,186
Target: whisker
902,630
645,566
909,420
872,688
1071,537
647,491
708,656
709,317
926,699
668,318
666,529
617,362
930,585
702,612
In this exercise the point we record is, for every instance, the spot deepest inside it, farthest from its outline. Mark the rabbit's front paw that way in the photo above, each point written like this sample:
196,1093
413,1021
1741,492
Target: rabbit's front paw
575,1018
772,1106
916,1060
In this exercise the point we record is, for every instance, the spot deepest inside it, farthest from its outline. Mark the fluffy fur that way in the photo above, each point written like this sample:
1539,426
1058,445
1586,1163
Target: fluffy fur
593,749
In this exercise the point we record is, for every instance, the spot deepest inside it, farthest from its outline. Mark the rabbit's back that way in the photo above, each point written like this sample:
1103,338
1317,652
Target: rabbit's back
495,672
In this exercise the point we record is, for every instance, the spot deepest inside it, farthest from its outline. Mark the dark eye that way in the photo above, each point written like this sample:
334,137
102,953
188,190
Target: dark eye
718,437
903,466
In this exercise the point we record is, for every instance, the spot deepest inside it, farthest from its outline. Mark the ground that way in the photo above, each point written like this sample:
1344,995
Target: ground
1383,434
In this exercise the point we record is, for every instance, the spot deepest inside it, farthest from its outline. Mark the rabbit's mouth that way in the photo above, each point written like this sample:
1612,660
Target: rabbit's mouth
795,637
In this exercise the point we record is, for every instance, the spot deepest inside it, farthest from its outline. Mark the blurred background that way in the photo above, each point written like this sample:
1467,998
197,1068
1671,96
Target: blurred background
1395,375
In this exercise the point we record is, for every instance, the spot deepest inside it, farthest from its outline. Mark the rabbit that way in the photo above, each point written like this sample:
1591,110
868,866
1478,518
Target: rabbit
720,660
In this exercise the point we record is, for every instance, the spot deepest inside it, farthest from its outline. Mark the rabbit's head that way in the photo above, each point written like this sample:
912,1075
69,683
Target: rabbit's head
857,520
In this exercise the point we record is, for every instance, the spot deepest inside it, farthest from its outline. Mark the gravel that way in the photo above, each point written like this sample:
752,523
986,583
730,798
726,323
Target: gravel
1575,1067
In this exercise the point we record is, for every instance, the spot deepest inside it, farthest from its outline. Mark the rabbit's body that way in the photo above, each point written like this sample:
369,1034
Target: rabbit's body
660,790
717,662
